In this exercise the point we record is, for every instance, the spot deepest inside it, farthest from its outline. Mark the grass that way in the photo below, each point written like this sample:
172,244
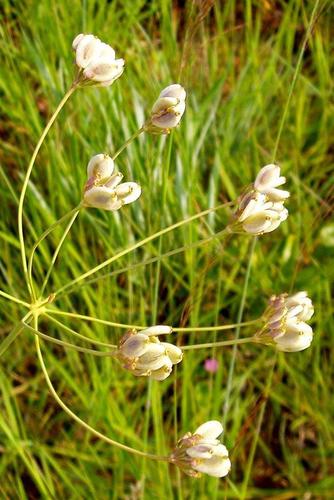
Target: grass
237,62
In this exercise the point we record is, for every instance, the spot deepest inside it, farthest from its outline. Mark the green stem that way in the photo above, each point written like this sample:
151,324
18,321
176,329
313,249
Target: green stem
14,299
142,327
237,333
68,344
76,334
152,260
81,422
220,344
26,181
248,468
137,245
42,237
126,144
56,252
13,334
294,80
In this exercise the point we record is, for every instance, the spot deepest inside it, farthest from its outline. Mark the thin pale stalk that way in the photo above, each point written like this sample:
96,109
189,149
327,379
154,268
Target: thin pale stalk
220,344
56,252
151,261
294,80
68,345
142,327
81,422
42,237
137,245
126,144
14,299
27,177
13,334
76,334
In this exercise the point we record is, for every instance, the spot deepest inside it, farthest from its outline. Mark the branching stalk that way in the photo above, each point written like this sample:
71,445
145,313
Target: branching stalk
81,422
73,212
137,245
27,177
126,144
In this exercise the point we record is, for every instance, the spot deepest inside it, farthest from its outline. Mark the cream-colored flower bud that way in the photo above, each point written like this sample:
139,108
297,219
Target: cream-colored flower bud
86,50
286,322
267,181
173,352
134,346
202,452
104,71
157,330
256,215
114,180
76,40
301,300
100,166
154,357
164,371
128,192
102,197
97,61
268,177
210,430
167,111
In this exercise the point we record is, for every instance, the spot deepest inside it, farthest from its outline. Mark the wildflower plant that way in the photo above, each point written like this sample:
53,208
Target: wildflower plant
153,351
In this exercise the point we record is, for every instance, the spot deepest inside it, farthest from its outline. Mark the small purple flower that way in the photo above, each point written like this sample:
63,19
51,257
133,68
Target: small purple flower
211,365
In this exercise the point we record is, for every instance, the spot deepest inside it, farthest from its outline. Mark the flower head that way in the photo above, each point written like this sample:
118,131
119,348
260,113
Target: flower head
261,208
167,111
286,318
202,452
96,61
104,189
144,355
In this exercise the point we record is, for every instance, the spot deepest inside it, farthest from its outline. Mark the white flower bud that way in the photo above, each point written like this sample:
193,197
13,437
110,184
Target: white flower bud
103,188
114,180
210,430
145,356
202,452
128,192
135,345
163,372
96,60
86,50
100,166
268,177
154,357
167,111
257,215
216,466
173,352
285,321
301,299
157,330
104,71
102,197
267,181
76,40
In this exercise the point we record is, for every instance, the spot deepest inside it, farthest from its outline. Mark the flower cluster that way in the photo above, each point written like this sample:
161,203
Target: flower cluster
96,60
286,318
103,188
144,355
202,452
167,111
261,208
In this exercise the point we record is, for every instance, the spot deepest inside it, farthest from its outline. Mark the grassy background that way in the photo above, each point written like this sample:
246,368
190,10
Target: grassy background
237,61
